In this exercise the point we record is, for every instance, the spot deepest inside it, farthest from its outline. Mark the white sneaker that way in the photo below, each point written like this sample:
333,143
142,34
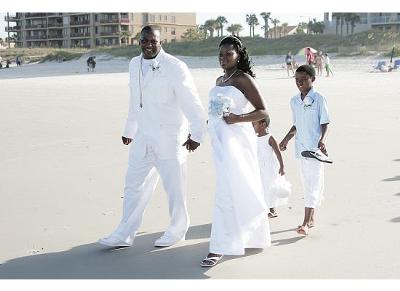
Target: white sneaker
167,241
113,242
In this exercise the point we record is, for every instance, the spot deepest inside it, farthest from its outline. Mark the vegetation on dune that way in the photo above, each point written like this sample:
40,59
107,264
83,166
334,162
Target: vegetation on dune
364,43
30,55
370,42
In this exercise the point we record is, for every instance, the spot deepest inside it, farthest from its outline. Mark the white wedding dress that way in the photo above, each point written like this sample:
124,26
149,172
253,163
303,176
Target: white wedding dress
240,212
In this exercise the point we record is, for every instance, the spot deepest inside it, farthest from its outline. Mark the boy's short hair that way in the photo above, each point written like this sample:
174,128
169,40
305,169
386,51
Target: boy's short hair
265,120
309,70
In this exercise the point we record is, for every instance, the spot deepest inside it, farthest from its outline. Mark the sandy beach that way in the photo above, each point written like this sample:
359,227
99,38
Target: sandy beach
62,168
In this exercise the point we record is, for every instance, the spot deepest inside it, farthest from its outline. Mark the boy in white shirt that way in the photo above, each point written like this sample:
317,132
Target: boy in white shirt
310,126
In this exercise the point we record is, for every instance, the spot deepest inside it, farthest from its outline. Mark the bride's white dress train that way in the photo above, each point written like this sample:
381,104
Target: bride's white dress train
240,213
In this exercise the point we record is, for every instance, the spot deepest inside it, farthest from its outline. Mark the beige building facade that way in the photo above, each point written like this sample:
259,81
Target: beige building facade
71,30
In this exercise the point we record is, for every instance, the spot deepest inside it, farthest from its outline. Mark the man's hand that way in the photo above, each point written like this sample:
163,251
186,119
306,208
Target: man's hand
322,147
126,140
190,145
283,144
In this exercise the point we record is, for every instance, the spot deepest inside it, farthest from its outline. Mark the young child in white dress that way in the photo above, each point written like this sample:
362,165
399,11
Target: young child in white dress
276,187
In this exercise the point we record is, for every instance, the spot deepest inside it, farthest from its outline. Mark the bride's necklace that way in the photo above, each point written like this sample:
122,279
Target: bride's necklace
230,76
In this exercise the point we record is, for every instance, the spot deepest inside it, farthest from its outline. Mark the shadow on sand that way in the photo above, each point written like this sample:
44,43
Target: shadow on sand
395,178
396,219
142,261
93,261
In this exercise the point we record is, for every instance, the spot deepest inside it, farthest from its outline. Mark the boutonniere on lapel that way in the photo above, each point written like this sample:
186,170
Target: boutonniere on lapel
307,101
155,66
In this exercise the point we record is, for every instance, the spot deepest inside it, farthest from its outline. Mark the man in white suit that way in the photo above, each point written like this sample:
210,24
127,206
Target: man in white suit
163,100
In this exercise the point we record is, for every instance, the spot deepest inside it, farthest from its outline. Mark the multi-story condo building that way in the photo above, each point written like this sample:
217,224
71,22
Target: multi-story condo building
69,30
367,21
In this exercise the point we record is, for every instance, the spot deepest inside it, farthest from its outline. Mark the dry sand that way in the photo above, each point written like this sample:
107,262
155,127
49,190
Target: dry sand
62,168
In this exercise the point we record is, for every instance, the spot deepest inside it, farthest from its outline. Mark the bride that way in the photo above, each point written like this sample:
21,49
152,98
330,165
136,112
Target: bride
239,218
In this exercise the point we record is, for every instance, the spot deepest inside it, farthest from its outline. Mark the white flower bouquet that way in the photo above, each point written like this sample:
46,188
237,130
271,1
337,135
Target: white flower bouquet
219,106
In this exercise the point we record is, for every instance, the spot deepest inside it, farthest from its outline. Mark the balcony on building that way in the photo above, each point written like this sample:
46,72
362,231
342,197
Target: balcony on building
11,18
84,22
36,37
36,26
55,36
35,15
80,35
109,19
55,24
54,15
13,28
108,34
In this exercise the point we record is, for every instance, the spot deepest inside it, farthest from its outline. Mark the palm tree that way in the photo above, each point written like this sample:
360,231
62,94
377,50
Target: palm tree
301,27
220,21
338,16
193,33
248,20
285,28
341,24
347,19
252,21
125,35
204,30
354,18
275,22
266,17
234,29
210,25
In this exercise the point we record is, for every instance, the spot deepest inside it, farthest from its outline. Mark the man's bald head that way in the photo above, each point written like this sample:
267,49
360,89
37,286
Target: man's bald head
150,42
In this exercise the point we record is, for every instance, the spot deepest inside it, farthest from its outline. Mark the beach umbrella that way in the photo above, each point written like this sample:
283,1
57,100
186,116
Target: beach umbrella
303,50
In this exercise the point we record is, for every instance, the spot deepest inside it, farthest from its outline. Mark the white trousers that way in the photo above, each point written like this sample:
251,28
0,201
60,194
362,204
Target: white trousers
141,180
312,176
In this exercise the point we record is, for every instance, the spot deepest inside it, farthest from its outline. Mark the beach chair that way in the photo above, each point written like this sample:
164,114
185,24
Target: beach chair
381,66
396,64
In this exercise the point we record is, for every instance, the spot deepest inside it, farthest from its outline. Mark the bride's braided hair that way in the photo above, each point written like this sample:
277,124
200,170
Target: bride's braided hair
245,63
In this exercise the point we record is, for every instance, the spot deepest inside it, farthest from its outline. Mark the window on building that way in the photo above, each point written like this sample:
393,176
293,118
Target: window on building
173,19
165,18
173,31
165,29
159,17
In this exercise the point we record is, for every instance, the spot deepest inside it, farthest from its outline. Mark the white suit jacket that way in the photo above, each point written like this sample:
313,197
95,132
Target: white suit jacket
169,102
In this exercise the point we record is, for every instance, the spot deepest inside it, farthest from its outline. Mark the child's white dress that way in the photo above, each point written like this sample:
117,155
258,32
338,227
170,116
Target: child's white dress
276,187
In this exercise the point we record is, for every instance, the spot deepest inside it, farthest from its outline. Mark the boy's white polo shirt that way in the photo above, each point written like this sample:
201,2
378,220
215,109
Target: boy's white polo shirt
308,119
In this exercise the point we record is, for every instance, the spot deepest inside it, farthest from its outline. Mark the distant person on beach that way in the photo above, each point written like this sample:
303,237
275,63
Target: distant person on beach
272,170
166,120
289,62
328,66
239,215
91,63
310,57
318,62
18,61
8,63
310,127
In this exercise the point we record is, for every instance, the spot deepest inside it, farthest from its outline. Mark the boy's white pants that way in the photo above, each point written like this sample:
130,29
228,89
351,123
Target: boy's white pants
141,180
312,176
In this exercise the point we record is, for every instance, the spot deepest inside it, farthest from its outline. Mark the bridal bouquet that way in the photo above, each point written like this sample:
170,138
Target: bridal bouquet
219,106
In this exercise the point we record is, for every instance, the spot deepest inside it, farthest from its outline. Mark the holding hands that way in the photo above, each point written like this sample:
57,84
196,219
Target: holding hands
190,144
126,140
